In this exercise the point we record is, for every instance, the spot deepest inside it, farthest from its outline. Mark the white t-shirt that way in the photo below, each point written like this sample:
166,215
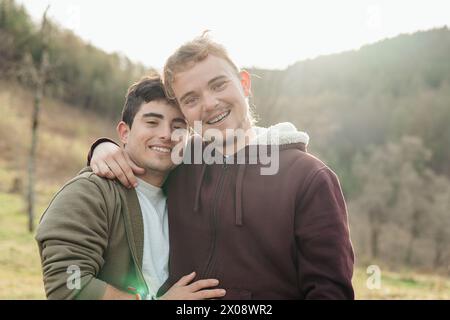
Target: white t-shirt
156,235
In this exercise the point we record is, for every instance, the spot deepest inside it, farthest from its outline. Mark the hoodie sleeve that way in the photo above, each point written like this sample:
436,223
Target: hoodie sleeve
324,251
72,237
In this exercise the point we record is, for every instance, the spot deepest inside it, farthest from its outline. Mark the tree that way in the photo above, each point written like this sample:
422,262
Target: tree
413,208
38,76
440,221
390,179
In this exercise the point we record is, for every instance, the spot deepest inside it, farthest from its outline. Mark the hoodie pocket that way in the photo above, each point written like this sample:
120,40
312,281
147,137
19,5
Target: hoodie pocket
237,294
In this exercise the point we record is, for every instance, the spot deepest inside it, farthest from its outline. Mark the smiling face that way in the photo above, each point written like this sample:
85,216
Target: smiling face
148,142
212,92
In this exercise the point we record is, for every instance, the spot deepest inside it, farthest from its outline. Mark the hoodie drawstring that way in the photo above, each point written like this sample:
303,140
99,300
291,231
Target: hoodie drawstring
239,182
199,187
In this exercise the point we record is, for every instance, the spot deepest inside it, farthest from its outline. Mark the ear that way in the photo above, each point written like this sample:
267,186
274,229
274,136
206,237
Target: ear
123,130
246,82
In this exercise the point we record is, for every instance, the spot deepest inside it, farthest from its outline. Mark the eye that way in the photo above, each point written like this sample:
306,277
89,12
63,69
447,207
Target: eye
152,123
190,101
219,86
179,126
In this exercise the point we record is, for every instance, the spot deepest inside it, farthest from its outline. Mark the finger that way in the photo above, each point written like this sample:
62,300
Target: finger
209,294
184,281
122,162
118,172
104,171
136,169
202,284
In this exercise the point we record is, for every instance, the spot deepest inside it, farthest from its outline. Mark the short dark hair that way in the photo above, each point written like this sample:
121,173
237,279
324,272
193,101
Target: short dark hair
149,88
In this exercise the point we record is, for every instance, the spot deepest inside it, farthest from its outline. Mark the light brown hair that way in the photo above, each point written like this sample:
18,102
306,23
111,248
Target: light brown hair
191,53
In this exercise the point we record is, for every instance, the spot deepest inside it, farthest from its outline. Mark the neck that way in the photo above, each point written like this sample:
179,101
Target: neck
155,178
239,142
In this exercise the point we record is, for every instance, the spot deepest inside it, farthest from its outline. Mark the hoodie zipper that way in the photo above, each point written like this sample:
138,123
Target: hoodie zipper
214,218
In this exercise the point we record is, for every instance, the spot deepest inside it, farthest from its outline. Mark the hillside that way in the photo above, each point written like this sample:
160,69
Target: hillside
64,136
347,101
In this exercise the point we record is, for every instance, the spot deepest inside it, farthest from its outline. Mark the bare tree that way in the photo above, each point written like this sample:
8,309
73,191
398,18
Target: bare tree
393,191
413,211
38,77
377,191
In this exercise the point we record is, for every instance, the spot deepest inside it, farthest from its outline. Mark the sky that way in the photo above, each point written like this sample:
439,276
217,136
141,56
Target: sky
257,33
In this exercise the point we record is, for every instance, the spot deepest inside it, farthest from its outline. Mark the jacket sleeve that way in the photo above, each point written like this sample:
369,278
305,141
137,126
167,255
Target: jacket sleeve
94,145
72,237
324,251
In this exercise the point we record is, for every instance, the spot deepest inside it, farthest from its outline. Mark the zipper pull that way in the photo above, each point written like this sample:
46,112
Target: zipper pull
224,165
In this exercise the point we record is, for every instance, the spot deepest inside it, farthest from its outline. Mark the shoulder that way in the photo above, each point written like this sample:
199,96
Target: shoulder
86,178
86,190
84,201
309,169
300,160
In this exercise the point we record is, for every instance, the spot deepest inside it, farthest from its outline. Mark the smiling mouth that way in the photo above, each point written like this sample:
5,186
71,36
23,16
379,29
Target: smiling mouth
219,118
163,150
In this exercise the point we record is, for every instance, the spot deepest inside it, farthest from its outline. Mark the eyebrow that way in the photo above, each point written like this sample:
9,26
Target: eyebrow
153,114
160,116
209,83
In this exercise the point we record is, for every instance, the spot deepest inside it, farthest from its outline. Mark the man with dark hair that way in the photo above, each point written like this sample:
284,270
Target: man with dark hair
99,240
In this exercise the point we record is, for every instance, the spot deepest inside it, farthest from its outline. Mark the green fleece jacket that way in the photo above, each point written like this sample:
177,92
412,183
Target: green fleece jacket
93,225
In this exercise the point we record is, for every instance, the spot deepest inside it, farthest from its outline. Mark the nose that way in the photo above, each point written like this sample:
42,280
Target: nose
165,132
210,102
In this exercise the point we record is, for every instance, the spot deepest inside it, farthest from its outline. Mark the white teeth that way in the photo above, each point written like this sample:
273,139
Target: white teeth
161,149
219,117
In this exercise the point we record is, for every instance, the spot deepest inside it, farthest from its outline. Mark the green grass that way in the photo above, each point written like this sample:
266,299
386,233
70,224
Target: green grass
21,278
20,272
406,284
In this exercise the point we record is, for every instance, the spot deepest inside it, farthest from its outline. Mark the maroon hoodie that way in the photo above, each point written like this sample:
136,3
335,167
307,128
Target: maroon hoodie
282,236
